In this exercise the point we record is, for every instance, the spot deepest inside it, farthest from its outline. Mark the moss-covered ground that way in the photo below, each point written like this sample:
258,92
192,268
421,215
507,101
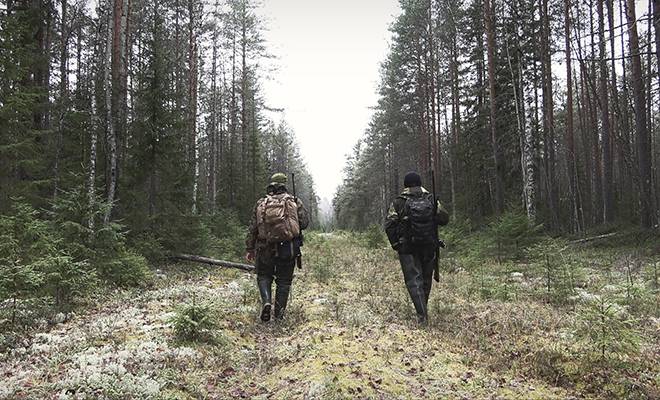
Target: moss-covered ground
559,321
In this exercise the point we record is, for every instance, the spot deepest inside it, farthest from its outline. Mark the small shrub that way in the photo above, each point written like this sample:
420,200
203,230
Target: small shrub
102,245
182,233
322,263
605,329
374,237
25,241
149,246
194,323
228,235
126,269
456,233
511,233
67,279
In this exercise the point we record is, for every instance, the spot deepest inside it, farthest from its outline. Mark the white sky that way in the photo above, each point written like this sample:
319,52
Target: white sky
329,55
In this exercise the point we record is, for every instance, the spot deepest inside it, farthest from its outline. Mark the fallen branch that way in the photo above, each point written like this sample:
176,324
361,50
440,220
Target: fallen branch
588,239
592,238
213,261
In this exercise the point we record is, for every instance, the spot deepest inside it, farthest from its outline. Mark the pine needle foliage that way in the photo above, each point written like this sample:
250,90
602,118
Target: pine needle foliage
194,322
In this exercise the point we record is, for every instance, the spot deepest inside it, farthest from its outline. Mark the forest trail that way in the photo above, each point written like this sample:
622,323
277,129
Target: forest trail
350,333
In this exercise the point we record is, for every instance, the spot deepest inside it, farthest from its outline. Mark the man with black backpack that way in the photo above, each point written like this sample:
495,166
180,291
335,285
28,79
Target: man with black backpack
273,243
412,229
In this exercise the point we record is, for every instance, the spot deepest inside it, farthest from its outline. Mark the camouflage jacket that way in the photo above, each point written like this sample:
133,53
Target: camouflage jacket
393,222
252,242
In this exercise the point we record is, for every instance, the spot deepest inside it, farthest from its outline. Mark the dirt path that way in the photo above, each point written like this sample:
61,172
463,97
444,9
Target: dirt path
349,333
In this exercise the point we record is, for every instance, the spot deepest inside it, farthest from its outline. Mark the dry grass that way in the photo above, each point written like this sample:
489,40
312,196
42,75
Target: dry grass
350,333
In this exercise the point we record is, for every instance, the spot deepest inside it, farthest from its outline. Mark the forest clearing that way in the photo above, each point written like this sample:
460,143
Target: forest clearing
514,329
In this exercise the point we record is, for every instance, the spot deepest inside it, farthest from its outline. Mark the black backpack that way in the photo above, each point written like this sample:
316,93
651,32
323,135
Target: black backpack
419,219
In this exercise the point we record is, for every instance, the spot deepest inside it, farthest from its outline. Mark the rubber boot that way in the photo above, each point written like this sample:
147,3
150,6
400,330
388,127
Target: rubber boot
419,301
265,287
281,299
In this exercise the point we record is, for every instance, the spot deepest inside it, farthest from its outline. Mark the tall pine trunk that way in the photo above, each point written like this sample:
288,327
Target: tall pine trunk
647,210
64,90
608,188
570,134
489,19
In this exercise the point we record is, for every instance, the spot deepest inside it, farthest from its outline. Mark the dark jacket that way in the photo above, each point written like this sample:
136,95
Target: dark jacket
394,223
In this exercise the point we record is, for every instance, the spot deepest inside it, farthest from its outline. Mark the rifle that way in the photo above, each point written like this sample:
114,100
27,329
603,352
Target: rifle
299,239
436,269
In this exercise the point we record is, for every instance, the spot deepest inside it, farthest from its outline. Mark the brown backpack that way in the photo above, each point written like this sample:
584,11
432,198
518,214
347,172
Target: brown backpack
277,218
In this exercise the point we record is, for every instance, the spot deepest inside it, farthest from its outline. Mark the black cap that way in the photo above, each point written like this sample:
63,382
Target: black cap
412,179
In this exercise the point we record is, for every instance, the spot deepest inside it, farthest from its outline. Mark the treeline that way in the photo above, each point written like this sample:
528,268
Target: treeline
545,106
140,117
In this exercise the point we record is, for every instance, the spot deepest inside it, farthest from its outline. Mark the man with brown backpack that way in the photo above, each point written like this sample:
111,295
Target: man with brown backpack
273,243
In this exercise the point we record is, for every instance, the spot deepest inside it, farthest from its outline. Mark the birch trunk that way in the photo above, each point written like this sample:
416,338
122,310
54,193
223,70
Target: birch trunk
192,99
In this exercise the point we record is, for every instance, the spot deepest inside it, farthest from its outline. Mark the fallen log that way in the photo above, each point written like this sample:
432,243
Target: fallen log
213,261
589,239
592,238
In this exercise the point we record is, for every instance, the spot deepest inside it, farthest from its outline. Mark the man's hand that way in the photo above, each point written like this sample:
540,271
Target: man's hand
249,256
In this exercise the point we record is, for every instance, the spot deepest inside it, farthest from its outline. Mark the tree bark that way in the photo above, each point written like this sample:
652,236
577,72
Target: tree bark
490,40
548,114
608,189
570,135
213,132
656,25
64,89
648,210
192,100
110,126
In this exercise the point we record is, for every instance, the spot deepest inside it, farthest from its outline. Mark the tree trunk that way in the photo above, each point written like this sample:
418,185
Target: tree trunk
656,25
569,134
455,121
548,114
431,78
490,40
584,113
110,126
64,89
192,100
232,121
608,189
648,210
213,131
244,84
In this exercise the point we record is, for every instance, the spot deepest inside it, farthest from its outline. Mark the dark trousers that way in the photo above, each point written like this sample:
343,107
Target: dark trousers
417,266
280,271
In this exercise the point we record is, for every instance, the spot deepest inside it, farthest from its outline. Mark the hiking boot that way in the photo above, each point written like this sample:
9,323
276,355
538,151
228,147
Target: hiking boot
265,312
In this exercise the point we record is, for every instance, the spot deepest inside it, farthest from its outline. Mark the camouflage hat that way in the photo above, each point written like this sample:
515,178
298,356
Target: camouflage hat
278,178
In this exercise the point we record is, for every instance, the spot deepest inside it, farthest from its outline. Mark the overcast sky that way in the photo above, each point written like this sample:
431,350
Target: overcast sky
329,55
